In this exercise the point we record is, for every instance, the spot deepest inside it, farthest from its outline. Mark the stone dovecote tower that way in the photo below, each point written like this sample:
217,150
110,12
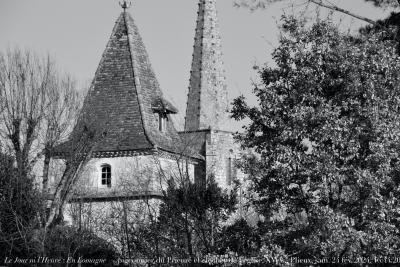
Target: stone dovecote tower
207,118
207,98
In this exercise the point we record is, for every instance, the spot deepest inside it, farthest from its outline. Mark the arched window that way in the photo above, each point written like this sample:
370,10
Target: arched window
106,175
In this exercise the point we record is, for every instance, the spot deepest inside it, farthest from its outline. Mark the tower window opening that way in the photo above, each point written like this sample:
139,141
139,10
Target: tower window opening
231,172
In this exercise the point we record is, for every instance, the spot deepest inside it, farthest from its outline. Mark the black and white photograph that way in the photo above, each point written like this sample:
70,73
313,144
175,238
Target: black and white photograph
199,133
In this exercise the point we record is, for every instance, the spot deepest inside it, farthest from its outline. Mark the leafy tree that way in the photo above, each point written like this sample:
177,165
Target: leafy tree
326,138
189,222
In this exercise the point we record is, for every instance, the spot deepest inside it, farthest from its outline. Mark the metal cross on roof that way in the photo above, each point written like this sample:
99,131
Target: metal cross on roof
125,5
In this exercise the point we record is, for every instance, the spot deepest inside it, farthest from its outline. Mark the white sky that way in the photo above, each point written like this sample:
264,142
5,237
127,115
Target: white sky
75,33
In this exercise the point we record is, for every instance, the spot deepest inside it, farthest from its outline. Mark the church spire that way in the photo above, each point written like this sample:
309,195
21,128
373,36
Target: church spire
207,99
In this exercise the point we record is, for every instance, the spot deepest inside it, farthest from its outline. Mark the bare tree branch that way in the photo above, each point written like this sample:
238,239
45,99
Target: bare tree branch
256,4
338,9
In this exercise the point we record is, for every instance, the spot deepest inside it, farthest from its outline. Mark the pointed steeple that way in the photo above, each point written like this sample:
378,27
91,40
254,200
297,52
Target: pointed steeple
207,99
126,97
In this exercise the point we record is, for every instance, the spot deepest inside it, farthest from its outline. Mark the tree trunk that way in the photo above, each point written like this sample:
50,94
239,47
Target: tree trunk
128,247
79,155
189,238
46,167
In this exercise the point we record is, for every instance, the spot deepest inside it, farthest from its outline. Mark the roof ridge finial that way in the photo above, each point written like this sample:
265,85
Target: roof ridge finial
125,5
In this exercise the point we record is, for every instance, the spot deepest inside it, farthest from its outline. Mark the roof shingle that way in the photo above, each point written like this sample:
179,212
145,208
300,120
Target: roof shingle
122,97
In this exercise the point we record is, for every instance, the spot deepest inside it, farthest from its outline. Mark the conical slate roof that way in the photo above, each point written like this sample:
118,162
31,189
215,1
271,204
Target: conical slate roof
125,98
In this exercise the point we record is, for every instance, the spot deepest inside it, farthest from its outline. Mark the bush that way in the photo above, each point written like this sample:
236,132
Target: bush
240,238
69,242
20,203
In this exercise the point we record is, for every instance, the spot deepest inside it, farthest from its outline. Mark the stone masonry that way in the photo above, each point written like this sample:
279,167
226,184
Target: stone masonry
207,119
207,98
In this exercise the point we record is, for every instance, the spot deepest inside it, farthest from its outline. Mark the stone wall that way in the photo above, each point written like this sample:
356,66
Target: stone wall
221,155
137,184
207,96
129,175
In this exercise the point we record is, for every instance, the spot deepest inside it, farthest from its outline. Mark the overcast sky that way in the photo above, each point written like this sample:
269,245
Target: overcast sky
75,33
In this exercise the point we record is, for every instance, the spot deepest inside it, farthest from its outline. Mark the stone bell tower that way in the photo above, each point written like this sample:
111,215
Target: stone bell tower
207,117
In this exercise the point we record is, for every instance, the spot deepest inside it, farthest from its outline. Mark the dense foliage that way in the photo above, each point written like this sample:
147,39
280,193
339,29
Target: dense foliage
19,205
68,242
189,222
326,136
20,233
240,238
385,3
